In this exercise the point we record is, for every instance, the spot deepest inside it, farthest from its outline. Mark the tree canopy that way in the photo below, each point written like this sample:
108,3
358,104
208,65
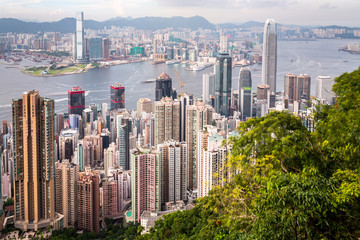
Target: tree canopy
286,182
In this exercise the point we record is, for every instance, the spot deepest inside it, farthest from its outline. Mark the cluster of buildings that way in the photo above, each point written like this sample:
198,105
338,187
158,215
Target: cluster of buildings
74,169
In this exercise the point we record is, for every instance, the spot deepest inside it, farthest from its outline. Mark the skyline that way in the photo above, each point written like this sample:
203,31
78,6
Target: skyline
231,11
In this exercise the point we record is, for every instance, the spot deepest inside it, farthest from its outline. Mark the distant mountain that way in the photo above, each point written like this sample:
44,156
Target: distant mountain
67,25
248,24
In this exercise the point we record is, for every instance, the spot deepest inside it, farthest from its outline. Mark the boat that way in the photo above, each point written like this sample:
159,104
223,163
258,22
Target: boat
170,62
149,81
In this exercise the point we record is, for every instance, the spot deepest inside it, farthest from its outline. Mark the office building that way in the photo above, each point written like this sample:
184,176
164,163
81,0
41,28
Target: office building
197,116
76,100
208,87
296,87
105,48
223,73
167,120
66,176
269,56
34,161
163,87
324,89
245,94
223,43
143,105
117,96
88,201
173,171
95,49
79,48
145,182
67,143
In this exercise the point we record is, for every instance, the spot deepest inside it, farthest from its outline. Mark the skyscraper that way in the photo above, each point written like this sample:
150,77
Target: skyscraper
145,182
167,120
34,161
88,200
208,87
117,96
245,93
66,175
105,48
79,50
296,87
323,89
123,140
197,116
163,87
223,73
95,49
269,57
173,171
223,43
110,198
143,105
76,100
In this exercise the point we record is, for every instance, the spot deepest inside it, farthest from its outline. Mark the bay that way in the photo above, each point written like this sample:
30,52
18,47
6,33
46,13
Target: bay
314,58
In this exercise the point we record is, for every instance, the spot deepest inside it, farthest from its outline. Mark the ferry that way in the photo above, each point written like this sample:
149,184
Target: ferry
170,62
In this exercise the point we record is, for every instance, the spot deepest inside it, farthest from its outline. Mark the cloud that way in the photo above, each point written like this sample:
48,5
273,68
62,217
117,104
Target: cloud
327,6
227,3
58,11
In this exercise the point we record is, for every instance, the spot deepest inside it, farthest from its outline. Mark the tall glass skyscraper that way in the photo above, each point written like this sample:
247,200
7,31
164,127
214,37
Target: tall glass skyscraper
223,72
245,93
79,37
269,57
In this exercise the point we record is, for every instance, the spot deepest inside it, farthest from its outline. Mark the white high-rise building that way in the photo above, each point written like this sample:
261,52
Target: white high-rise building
323,89
109,159
269,57
223,43
208,87
211,159
174,171
79,37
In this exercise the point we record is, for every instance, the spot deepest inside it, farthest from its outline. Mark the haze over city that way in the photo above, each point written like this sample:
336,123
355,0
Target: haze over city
300,12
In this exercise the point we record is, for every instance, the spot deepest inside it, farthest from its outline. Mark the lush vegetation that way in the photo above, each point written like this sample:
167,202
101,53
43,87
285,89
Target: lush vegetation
112,231
285,182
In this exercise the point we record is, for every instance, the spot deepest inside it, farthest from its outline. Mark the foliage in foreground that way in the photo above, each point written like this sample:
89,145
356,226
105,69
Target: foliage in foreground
112,231
286,182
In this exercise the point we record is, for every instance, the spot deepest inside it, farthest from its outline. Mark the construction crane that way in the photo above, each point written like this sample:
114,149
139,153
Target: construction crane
181,83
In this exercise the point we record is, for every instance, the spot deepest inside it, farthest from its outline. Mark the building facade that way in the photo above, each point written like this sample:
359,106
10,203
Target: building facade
34,161
269,56
223,74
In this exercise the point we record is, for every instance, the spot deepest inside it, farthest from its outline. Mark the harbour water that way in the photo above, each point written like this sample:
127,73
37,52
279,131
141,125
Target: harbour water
315,58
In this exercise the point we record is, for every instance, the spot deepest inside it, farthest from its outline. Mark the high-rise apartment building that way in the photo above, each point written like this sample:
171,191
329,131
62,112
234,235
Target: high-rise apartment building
143,105
110,198
163,87
66,176
167,120
88,200
34,161
145,182
297,87
245,94
324,89
197,116
173,171
79,49
223,73
117,96
76,100
211,160
123,135
269,56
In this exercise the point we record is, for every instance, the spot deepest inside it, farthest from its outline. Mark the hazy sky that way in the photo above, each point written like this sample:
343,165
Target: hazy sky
301,12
